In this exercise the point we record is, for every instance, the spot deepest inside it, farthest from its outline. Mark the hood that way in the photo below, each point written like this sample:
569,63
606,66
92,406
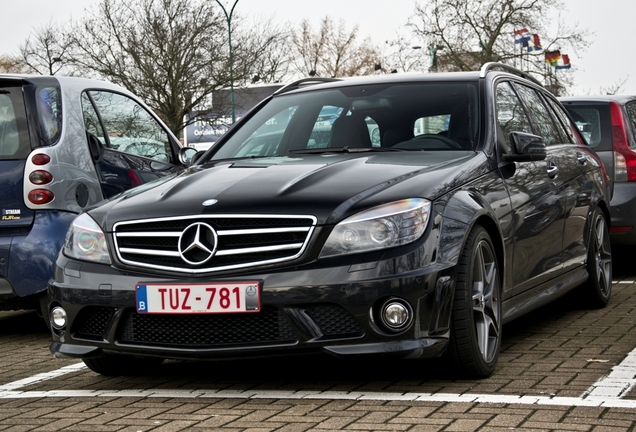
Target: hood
328,186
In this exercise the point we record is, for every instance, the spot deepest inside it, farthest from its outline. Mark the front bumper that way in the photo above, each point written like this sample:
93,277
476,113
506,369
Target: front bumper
331,309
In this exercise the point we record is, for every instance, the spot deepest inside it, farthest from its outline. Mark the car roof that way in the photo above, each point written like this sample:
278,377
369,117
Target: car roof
491,69
64,81
622,99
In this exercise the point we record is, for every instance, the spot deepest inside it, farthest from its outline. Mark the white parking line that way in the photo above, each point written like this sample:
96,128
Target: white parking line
618,383
41,377
332,395
606,393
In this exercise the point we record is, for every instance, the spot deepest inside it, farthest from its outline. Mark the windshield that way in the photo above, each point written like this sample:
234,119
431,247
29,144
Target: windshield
380,117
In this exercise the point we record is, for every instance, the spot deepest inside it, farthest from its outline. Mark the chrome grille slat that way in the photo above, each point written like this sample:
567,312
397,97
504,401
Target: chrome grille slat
149,234
241,241
149,252
259,249
261,231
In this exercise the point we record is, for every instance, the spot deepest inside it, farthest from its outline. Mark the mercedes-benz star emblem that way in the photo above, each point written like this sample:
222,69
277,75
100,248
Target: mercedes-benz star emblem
197,243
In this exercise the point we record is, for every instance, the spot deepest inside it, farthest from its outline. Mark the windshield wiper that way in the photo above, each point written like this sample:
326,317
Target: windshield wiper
345,150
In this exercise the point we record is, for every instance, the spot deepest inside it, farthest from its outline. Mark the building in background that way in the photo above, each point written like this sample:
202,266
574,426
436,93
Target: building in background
215,119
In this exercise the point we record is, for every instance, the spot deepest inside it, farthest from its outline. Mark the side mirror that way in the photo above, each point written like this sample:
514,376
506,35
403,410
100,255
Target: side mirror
188,155
527,147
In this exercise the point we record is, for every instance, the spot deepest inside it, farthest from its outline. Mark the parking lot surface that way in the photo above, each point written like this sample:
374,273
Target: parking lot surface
562,367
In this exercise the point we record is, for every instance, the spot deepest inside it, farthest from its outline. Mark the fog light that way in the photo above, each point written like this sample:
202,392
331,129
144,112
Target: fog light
58,318
395,315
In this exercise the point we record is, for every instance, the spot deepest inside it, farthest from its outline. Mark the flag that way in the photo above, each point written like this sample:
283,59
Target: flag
522,36
552,56
565,62
535,43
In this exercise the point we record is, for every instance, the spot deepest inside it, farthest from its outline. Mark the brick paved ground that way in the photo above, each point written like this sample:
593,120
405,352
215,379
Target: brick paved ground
559,350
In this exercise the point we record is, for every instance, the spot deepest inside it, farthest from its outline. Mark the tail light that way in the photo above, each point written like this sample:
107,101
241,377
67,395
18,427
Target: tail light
624,156
134,178
40,159
40,177
40,196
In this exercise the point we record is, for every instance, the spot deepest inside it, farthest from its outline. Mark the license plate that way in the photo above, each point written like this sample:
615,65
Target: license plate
214,298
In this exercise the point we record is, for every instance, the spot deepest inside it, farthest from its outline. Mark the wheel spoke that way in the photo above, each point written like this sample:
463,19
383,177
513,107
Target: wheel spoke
485,300
603,256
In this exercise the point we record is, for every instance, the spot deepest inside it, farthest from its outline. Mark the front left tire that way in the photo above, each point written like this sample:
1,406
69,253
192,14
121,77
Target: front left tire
475,337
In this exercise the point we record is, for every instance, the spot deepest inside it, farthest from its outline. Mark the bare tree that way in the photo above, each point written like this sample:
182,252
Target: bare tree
466,34
405,54
10,64
272,45
46,51
333,51
172,53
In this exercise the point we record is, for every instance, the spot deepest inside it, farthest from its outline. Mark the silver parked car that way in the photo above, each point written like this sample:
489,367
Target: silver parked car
66,144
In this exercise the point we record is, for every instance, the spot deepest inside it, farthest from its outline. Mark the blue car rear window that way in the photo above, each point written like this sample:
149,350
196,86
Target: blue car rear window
14,136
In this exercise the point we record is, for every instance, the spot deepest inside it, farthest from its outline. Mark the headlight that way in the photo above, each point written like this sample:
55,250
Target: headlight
86,241
385,226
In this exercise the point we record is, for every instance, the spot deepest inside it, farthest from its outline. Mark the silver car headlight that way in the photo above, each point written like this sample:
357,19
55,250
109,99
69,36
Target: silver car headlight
86,241
389,225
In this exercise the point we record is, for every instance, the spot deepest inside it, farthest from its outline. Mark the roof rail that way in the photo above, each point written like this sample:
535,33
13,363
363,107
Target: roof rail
306,81
491,65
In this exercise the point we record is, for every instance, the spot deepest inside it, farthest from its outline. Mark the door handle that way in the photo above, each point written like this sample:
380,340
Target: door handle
581,158
553,170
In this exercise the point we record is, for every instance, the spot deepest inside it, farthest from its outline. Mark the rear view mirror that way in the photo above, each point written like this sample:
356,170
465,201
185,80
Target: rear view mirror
526,147
187,155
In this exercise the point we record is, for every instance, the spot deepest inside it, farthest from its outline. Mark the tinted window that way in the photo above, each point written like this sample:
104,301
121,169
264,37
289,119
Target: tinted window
14,136
431,124
510,113
50,112
266,139
321,131
540,115
563,122
125,126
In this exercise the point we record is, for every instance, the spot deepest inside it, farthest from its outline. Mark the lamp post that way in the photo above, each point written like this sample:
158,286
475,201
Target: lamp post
228,17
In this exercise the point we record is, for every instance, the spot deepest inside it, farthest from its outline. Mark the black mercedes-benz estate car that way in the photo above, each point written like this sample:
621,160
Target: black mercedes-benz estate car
429,212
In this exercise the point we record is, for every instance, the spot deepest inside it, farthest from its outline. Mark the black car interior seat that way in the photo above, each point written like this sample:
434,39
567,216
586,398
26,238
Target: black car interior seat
459,126
350,131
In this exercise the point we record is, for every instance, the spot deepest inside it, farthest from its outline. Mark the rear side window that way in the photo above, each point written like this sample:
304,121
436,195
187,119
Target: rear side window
593,121
14,135
49,103
540,115
563,123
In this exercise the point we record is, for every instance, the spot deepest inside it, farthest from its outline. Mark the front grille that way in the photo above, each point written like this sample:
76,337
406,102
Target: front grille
92,323
207,331
334,320
198,244
270,326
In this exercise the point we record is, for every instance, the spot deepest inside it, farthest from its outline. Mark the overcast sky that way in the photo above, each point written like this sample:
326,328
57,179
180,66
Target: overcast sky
607,62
